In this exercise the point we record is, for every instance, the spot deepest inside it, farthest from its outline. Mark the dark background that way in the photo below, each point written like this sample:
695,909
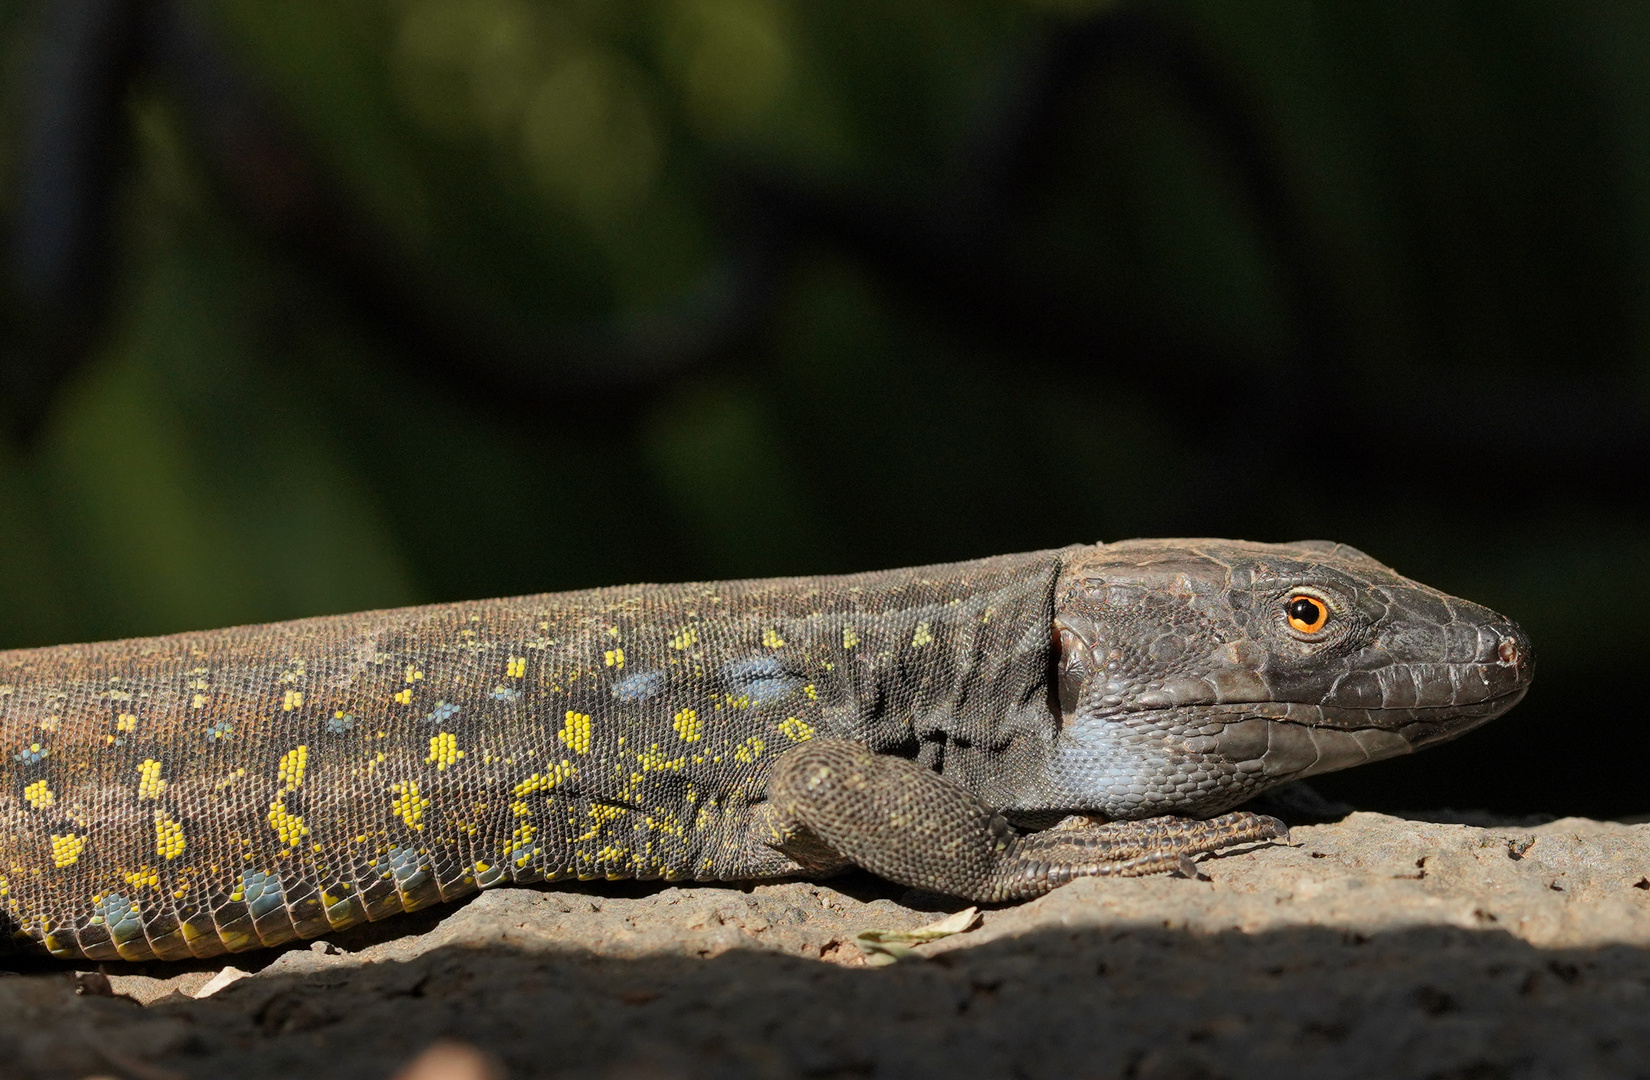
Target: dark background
312,307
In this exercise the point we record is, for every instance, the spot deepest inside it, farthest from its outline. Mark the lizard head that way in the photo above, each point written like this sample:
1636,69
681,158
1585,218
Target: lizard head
1194,674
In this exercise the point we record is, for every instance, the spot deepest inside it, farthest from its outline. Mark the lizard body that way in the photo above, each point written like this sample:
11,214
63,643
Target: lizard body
224,790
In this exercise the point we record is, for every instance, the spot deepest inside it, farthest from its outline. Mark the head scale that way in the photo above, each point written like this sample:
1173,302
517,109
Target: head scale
1194,674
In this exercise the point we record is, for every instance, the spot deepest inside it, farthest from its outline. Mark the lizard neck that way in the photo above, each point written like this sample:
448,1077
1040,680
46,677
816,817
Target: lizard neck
950,669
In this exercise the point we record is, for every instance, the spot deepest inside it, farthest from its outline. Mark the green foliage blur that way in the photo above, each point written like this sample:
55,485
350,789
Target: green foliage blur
239,445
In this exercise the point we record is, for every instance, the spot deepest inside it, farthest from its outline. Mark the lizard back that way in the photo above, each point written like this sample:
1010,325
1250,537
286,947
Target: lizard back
191,794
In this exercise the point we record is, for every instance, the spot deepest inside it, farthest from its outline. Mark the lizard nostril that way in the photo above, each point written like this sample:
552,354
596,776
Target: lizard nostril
1508,652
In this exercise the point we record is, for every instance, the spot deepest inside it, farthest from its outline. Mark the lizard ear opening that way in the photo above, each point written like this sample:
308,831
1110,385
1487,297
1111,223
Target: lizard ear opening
1073,662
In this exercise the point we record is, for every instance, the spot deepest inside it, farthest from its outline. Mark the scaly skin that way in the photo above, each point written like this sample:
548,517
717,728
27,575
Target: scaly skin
193,794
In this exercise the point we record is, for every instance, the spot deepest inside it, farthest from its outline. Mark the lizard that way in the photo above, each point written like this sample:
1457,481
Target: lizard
988,729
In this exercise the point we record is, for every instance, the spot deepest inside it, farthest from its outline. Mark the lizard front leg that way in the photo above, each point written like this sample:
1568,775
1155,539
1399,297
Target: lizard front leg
913,826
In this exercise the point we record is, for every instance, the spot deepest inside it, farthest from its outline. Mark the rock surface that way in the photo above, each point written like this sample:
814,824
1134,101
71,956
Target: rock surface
1370,947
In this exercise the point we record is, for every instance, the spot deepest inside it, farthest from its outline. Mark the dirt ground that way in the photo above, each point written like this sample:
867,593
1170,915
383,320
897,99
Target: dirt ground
1371,947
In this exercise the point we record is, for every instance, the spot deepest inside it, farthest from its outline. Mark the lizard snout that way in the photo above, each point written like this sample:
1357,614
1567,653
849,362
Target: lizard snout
1512,650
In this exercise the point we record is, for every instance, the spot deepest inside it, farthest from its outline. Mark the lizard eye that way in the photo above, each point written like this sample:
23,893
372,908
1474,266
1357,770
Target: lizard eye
1306,613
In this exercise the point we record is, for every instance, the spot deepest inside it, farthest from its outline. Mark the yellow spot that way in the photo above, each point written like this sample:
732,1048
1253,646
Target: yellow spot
143,876
291,770
126,722
51,724
293,699
601,814
444,751
813,695
150,785
229,779
652,760
849,637
66,849
796,729
520,840
288,826
688,725
545,781
169,842
771,638
614,658
923,636
516,667
198,701
575,733
39,795
413,674
406,804
403,697
748,751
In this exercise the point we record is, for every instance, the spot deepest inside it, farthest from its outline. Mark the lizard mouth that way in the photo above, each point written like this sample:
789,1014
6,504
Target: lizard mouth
1285,740
1470,690
1345,718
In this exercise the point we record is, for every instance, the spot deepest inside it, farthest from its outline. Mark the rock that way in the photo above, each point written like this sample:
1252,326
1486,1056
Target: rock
1370,947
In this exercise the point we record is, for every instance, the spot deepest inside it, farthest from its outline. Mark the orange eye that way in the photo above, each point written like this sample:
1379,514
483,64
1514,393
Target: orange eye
1306,613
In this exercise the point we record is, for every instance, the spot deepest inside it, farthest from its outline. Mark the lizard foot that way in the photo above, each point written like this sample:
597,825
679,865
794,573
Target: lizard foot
898,819
1039,862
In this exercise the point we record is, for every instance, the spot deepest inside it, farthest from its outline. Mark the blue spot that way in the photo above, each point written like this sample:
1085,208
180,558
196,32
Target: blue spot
763,678
262,892
33,754
121,916
221,730
640,686
443,711
408,868
506,693
340,723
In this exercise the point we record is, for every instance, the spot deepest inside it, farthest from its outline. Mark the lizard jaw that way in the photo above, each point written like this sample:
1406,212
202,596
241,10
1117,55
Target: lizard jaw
1198,760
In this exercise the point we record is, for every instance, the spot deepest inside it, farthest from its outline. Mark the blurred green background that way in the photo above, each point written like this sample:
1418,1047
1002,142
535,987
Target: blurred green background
400,301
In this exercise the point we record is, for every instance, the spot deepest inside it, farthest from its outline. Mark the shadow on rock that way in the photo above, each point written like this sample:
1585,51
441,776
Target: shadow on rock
1134,1002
